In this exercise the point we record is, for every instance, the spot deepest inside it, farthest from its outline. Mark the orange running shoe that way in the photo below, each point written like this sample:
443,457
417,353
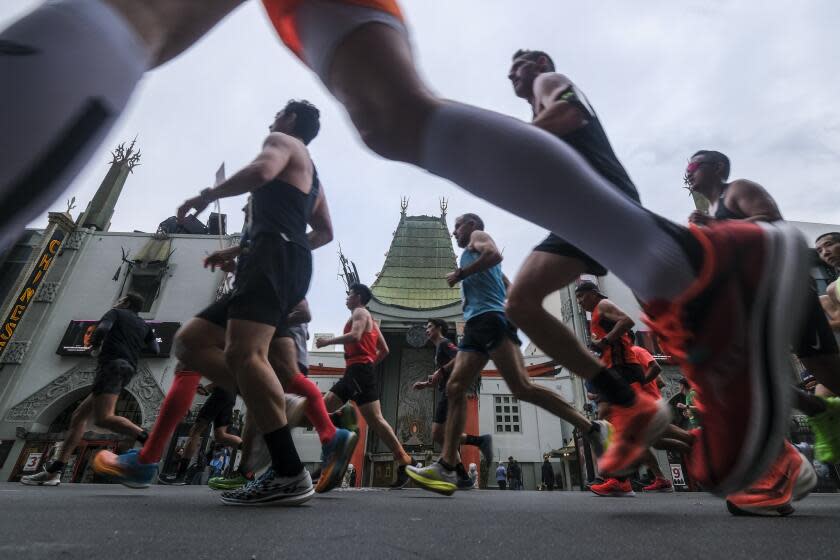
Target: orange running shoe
790,478
660,485
635,428
612,487
731,333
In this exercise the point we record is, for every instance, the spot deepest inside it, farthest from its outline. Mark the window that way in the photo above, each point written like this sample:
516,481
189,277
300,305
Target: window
507,414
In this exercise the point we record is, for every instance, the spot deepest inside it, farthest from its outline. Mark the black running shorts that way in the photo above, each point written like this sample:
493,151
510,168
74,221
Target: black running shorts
441,409
486,332
218,408
558,246
112,377
358,384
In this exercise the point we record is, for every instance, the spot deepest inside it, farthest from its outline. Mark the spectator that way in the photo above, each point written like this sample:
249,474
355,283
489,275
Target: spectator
547,475
473,473
690,405
501,476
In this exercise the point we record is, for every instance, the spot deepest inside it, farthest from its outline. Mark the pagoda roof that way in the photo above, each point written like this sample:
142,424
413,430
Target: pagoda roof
414,273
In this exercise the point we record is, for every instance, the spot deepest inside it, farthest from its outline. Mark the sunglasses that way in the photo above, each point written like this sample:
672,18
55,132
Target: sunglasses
694,166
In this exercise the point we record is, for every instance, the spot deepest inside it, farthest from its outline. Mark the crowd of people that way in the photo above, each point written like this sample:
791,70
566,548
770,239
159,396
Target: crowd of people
727,295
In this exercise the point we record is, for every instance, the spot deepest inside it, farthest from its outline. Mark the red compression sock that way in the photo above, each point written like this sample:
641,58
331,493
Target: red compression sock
174,408
316,410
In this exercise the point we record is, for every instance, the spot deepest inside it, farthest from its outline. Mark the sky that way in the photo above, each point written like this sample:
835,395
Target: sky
755,80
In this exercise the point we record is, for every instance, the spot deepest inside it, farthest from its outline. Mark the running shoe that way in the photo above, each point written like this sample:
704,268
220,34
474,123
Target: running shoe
270,489
731,332
402,478
464,480
826,429
42,478
634,429
660,485
434,478
335,456
485,445
613,488
125,469
238,480
172,480
345,417
599,437
790,478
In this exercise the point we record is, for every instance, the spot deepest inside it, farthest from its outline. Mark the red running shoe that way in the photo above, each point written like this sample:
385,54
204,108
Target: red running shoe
635,428
731,333
660,485
614,488
790,478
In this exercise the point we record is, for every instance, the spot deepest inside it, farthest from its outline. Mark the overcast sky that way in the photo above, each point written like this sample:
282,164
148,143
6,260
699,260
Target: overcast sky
754,79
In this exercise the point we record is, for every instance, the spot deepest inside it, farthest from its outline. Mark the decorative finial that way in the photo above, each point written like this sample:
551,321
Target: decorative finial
403,205
127,157
444,205
71,204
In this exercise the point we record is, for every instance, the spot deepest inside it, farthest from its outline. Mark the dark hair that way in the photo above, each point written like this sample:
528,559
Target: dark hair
835,235
479,223
684,382
135,301
362,291
307,119
534,56
715,157
441,324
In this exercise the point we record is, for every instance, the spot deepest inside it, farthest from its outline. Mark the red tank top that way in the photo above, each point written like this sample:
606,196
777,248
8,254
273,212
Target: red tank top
619,352
364,351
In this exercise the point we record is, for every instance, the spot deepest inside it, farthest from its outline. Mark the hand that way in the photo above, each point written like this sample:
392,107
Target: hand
681,405
453,277
224,259
321,342
698,218
598,343
419,385
197,203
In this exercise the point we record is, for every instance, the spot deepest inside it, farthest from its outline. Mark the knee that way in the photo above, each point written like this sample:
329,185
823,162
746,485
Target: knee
240,358
182,345
519,307
456,389
523,391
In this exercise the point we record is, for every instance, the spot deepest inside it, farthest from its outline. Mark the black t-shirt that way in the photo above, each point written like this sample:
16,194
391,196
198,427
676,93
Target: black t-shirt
281,209
128,336
592,143
444,353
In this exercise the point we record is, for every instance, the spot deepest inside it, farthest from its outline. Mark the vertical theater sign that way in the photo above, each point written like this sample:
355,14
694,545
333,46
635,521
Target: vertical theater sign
27,292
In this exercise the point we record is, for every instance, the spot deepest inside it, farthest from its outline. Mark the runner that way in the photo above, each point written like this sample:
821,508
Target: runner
743,200
488,335
364,349
360,50
270,281
445,352
118,340
216,410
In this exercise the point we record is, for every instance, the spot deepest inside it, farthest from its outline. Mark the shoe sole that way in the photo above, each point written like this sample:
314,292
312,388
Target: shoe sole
436,486
630,494
102,468
333,474
283,500
779,319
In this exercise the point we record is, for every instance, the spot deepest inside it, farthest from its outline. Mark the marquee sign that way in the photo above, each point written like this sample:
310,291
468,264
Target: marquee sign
21,304
76,339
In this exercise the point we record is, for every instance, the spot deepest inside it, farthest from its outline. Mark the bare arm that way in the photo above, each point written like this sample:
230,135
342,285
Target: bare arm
322,229
382,349
360,319
557,112
653,371
753,201
831,307
623,322
275,155
489,256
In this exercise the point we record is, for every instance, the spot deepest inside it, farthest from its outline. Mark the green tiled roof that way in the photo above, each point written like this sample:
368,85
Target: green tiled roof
416,266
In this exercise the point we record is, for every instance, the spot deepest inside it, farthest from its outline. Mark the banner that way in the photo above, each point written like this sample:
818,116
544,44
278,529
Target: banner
76,339
21,304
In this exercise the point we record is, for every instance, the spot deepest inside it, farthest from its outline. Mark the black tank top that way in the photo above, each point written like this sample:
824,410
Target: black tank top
279,208
722,212
592,143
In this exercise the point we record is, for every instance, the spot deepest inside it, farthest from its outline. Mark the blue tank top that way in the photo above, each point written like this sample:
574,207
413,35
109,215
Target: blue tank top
483,292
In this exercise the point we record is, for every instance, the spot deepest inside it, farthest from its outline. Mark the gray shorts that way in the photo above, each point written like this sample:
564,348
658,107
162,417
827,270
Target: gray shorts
112,377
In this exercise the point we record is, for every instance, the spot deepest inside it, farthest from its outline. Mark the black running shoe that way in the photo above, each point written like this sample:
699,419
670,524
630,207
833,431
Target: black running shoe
402,478
270,489
171,480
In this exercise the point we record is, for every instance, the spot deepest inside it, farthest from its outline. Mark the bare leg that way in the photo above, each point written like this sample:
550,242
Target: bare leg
283,357
468,365
542,274
78,422
332,401
372,414
249,432
222,436
103,410
194,440
649,460
199,345
508,360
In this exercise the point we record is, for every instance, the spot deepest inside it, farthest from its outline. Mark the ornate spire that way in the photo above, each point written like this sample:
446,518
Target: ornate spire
126,156
444,205
403,205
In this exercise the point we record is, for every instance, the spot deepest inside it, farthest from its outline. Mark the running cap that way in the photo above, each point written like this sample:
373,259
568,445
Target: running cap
589,286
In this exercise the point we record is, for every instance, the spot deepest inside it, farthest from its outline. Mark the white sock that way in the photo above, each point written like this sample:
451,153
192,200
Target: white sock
527,171
68,69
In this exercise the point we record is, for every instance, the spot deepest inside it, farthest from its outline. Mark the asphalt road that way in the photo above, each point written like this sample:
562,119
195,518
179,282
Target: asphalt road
109,521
